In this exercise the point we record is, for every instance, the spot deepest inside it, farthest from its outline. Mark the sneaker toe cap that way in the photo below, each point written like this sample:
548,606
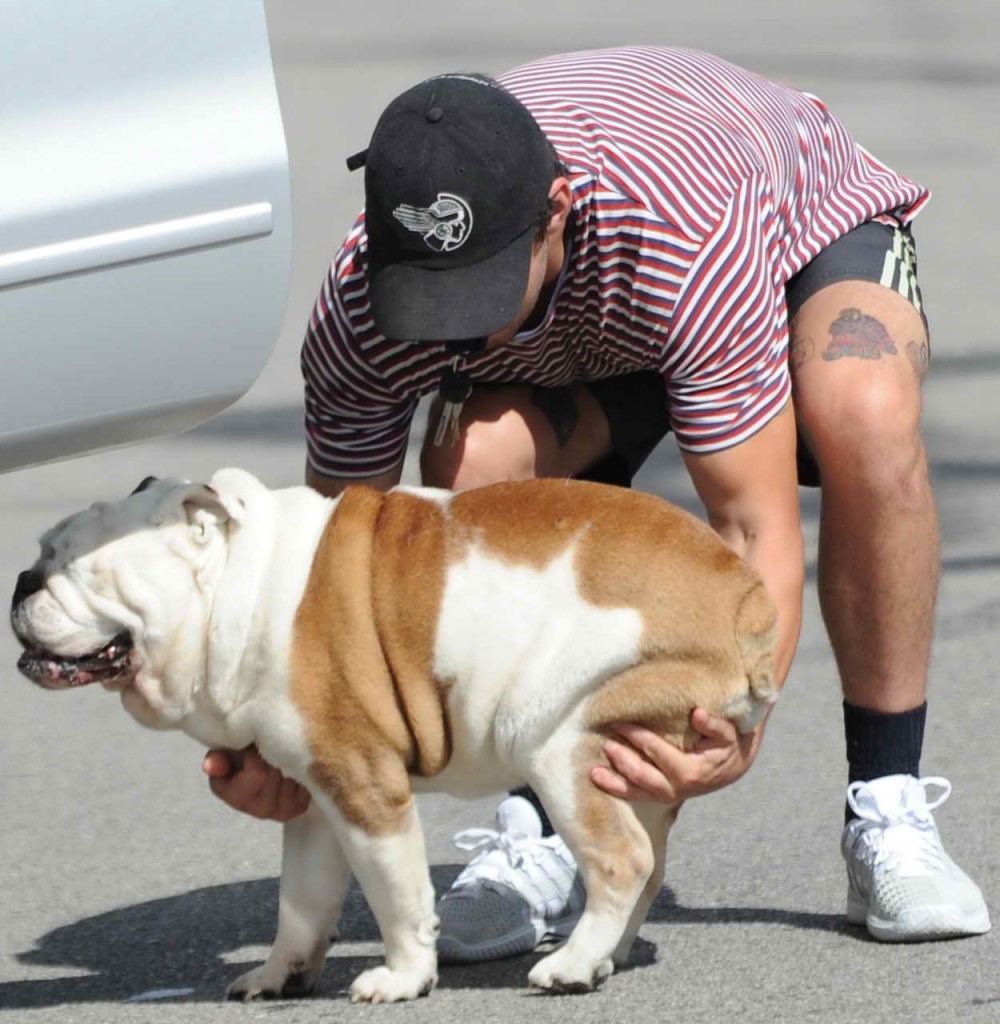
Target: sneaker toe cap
484,922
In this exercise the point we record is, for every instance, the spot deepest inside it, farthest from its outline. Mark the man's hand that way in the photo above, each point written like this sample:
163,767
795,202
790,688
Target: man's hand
647,767
245,781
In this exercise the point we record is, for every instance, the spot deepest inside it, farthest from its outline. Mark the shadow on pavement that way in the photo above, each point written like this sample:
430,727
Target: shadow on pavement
187,942
666,910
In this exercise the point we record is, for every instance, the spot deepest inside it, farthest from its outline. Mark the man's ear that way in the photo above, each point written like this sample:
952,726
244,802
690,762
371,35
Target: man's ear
561,196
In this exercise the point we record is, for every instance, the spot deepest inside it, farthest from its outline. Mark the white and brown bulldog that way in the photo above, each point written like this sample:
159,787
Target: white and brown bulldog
381,644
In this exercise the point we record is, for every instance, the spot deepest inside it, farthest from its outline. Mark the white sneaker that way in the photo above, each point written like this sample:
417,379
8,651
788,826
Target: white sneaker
519,890
901,883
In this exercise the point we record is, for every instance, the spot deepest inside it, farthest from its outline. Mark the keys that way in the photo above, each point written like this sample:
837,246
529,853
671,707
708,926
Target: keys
454,389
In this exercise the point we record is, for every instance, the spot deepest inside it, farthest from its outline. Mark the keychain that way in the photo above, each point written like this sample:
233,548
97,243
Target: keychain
455,388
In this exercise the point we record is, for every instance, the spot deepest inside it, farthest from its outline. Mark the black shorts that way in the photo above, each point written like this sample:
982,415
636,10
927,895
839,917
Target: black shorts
636,404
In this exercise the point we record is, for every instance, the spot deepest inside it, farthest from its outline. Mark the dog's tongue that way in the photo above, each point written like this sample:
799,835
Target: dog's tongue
58,673
517,815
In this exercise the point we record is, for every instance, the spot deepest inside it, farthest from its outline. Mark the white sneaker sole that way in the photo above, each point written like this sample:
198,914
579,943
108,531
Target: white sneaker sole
923,924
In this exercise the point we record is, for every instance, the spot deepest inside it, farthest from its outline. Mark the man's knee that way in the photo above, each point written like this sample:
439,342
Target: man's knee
492,443
868,434
504,433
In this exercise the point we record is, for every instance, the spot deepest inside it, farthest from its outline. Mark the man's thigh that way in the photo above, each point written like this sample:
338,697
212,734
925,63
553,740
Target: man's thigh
859,354
859,350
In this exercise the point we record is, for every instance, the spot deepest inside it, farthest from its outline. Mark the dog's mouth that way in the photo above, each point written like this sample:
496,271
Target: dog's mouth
57,672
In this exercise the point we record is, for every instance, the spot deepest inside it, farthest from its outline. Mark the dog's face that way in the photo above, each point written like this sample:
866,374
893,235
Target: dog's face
121,595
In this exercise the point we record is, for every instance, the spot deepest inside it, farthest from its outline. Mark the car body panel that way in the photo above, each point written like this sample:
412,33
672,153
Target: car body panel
145,222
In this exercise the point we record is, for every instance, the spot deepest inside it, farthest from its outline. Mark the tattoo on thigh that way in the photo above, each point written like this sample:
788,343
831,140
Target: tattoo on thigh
920,357
857,334
801,351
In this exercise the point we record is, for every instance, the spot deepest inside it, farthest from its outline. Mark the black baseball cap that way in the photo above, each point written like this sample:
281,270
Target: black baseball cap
457,177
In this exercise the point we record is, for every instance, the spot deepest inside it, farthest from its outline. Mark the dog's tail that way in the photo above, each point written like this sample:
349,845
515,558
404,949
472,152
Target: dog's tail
756,636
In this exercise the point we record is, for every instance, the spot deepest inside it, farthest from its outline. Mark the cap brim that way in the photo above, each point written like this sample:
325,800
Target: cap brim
413,303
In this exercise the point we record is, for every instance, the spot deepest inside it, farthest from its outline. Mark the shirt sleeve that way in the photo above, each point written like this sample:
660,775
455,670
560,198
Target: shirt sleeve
727,361
355,425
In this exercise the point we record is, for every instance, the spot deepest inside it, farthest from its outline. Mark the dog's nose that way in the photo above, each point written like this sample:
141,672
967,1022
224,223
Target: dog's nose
28,582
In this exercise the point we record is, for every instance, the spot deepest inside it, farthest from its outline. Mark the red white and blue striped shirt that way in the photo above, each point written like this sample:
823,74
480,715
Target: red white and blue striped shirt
699,189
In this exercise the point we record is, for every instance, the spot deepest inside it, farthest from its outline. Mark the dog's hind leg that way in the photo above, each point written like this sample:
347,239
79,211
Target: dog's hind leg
615,855
314,879
657,819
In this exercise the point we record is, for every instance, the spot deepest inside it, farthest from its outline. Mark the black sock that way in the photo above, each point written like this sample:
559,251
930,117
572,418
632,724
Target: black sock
882,743
532,797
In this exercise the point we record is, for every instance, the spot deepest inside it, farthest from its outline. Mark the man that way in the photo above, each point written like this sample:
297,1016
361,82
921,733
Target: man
603,248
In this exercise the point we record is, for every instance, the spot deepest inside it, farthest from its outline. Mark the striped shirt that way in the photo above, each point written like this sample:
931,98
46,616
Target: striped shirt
699,189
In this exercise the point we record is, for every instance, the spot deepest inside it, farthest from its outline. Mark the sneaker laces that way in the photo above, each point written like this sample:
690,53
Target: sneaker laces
904,836
515,859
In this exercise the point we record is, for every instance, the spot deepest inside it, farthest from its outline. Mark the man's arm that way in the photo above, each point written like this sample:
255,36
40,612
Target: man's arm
750,493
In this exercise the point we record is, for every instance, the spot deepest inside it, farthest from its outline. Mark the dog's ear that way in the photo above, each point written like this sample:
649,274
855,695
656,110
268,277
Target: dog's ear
206,507
147,483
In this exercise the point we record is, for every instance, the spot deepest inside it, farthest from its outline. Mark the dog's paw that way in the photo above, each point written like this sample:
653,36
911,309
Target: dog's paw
380,985
270,982
560,973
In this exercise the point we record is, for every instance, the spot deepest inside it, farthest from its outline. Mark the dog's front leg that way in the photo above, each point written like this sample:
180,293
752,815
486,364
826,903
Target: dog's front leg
314,879
391,868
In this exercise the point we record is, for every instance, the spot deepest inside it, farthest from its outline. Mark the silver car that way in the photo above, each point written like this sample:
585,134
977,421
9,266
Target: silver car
145,236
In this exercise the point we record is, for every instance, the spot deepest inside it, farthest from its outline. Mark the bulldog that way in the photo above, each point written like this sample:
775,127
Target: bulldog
381,644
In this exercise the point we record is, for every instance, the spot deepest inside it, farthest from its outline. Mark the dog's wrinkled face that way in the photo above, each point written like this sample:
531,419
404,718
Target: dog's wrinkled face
118,596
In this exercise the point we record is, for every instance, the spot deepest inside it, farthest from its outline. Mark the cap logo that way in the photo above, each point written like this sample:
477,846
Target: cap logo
444,225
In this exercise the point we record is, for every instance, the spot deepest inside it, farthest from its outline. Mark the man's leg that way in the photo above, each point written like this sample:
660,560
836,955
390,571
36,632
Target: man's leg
505,433
859,354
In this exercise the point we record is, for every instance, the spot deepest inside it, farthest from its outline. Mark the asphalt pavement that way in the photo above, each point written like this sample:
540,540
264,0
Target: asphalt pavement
127,893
